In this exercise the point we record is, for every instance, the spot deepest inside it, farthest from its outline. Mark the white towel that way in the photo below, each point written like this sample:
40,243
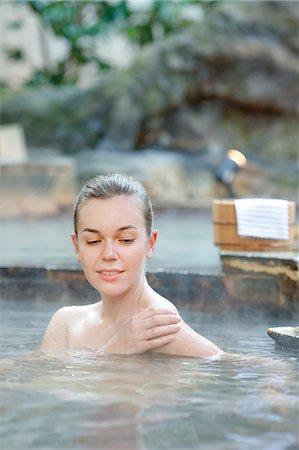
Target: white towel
263,218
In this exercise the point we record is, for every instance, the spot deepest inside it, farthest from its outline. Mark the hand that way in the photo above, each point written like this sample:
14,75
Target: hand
148,329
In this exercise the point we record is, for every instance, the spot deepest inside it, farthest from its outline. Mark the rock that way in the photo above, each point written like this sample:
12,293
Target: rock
226,82
171,179
64,118
230,81
287,337
213,126
36,189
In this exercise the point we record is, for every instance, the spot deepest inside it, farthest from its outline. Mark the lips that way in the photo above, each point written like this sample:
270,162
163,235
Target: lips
110,271
105,272
109,274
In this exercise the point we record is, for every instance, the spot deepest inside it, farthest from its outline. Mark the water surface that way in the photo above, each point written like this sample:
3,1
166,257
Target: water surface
147,402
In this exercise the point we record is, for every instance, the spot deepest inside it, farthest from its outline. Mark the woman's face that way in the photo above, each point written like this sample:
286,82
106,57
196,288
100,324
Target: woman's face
112,244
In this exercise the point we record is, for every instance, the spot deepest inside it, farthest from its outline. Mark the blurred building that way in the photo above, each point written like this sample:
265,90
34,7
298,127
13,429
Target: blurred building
26,45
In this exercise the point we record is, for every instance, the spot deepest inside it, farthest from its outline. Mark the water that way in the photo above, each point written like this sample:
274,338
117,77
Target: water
147,402
185,241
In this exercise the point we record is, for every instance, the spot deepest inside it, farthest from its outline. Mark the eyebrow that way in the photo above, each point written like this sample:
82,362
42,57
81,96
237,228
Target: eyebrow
93,230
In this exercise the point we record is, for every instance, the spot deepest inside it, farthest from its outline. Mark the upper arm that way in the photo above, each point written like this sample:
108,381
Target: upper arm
55,337
188,342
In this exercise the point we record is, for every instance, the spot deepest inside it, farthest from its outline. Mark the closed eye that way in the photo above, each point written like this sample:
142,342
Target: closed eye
93,242
127,241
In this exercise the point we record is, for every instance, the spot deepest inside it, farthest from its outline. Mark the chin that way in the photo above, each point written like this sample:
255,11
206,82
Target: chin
110,290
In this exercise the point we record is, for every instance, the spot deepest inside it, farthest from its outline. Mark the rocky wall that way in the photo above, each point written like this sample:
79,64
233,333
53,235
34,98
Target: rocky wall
242,293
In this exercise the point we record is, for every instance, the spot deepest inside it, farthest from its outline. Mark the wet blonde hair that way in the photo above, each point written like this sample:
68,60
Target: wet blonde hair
109,186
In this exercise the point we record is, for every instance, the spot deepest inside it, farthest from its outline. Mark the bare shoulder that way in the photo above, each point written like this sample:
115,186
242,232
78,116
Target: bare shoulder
187,342
62,315
161,302
56,335
71,313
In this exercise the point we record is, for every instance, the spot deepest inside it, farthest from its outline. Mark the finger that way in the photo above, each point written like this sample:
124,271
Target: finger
158,342
165,330
160,320
151,311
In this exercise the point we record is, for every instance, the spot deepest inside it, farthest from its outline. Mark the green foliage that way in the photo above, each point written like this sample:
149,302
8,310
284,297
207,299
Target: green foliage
83,22
15,54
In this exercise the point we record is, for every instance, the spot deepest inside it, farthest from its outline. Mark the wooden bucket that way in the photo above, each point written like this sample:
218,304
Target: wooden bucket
226,235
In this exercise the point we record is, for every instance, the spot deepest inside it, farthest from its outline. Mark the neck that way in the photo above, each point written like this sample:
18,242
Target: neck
114,308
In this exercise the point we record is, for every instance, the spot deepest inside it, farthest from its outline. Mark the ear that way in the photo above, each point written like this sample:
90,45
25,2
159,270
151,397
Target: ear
75,244
152,244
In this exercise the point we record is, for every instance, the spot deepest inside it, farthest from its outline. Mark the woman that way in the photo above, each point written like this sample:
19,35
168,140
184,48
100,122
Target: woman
113,236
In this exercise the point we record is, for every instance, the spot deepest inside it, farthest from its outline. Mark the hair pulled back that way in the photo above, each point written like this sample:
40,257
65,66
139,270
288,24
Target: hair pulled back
109,186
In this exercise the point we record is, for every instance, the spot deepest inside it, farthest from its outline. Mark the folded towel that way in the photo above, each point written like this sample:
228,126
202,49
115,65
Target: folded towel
263,218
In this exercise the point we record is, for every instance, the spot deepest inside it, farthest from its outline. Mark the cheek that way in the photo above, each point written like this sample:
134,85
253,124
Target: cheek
86,256
141,254
134,256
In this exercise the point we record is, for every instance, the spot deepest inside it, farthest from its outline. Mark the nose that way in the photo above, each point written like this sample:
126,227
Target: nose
109,251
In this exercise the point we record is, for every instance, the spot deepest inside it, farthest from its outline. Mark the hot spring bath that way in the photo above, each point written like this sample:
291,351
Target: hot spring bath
146,401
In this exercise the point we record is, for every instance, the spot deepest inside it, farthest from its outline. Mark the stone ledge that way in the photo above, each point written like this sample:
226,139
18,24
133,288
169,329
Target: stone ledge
280,269
234,293
36,189
280,258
